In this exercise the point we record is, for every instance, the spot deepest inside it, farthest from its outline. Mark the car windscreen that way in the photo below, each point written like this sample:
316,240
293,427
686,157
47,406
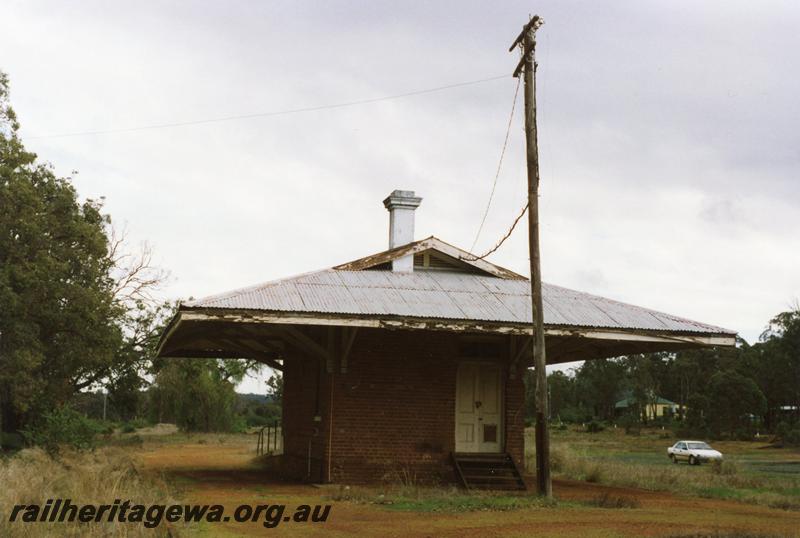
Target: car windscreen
699,446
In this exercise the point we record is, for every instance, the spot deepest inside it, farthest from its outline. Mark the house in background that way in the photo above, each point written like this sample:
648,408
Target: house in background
655,407
409,362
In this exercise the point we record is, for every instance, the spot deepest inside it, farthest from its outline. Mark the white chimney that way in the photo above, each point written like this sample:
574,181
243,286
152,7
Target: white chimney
401,206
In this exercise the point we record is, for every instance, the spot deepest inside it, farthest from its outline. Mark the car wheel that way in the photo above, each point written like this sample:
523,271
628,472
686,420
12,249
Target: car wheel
673,458
692,460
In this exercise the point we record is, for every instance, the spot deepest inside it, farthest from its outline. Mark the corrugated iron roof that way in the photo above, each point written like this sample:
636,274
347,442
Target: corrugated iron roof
445,295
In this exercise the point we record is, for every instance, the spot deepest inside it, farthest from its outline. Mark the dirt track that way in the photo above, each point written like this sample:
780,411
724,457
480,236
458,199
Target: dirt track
224,474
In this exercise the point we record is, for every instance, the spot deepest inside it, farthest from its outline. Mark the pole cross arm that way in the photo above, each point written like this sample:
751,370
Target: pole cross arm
534,23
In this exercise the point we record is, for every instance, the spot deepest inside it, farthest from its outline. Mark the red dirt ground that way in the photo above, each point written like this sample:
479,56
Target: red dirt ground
225,474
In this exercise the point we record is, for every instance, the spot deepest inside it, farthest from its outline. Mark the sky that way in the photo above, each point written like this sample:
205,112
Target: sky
670,159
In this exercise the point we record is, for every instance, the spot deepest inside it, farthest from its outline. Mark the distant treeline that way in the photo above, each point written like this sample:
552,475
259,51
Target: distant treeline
719,392
245,410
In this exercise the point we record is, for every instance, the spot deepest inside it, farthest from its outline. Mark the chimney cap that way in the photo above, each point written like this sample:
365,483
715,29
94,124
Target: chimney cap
401,199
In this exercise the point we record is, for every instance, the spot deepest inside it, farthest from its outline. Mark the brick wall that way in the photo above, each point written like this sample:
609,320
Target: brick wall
393,411
300,431
515,417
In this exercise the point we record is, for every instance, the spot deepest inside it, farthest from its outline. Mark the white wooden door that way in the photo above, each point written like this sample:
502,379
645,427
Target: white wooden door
478,408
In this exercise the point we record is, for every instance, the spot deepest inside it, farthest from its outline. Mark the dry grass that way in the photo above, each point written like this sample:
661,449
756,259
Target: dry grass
97,477
723,534
578,460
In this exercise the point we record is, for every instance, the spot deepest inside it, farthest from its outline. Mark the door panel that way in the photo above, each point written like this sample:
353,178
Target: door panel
489,408
465,409
479,408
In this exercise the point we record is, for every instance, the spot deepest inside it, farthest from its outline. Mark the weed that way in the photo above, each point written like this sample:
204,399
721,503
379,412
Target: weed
606,500
594,474
725,467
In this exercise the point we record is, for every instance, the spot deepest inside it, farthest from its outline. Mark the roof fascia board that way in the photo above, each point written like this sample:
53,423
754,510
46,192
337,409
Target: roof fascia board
591,333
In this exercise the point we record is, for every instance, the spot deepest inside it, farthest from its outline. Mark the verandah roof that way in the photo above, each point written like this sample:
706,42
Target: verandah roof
484,299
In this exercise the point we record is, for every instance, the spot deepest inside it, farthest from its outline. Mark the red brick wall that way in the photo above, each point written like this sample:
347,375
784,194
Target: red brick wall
300,377
515,417
393,411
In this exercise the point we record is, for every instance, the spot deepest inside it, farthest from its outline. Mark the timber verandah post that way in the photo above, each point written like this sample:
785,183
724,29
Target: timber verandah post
527,39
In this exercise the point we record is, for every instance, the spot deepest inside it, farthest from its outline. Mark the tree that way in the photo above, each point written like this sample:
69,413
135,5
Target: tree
58,314
76,304
774,363
275,387
733,397
562,396
644,374
599,384
127,376
195,394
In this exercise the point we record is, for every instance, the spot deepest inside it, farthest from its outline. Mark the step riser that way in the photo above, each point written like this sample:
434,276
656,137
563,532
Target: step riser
487,472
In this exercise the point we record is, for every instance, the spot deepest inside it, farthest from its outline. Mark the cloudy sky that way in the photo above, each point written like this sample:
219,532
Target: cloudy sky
670,158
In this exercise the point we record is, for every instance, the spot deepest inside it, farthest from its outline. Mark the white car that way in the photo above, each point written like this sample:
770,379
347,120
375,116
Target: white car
693,452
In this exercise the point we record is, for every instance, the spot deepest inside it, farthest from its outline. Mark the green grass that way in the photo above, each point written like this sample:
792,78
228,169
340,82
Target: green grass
751,473
434,499
466,503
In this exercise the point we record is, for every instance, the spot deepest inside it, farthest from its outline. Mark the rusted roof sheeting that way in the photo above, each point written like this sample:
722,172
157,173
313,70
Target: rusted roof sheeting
432,294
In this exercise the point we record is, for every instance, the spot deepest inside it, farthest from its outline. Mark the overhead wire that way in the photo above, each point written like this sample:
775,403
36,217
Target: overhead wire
525,207
270,113
502,240
499,166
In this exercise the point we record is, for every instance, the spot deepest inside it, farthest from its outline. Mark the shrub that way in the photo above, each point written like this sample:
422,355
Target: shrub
238,424
140,423
11,441
594,427
574,415
793,437
128,428
254,420
631,423
64,426
788,433
104,427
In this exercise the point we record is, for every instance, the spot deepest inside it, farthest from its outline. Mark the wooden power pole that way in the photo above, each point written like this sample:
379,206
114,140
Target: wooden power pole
527,65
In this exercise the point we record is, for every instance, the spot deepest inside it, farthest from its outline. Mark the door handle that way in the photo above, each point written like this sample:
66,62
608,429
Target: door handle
478,405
